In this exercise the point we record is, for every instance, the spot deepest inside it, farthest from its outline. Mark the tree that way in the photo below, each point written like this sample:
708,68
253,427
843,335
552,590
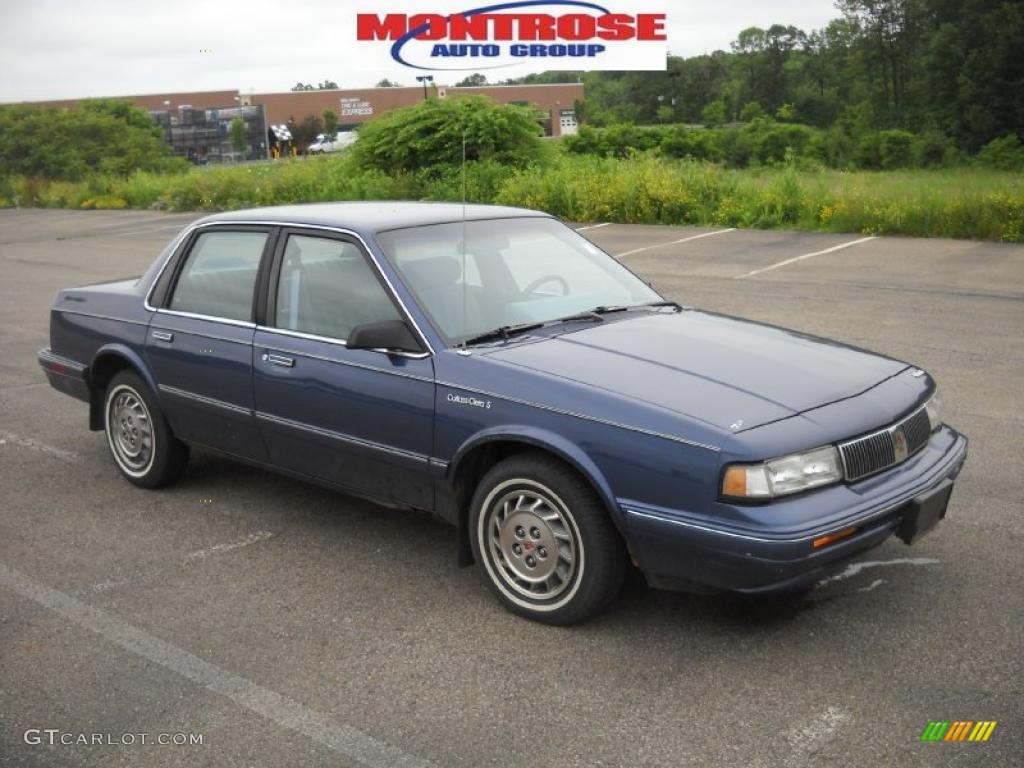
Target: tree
751,111
665,113
1005,153
430,134
974,70
385,83
951,67
579,108
108,136
786,113
305,133
326,85
330,119
714,113
238,134
474,80
889,32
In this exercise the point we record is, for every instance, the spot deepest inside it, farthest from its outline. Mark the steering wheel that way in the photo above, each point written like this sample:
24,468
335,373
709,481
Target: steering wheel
532,287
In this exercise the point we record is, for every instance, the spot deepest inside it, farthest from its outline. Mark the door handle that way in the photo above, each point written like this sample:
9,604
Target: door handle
285,362
163,336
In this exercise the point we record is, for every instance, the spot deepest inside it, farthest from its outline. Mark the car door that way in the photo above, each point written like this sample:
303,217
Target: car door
199,341
361,419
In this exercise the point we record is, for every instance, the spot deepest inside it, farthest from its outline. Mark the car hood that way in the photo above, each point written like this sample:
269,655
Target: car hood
732,374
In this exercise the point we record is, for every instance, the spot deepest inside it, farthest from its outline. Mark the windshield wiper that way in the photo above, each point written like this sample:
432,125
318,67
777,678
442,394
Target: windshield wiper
590,314
504,332
507,331
654,304
597,312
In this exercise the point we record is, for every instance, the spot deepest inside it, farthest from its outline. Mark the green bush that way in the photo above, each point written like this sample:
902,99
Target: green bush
885,150
773,143
933,149
714,113
738,148
694,144
895,149
432,134
833,148
1005,153
762,141
751,111
621,140
645,188
99,136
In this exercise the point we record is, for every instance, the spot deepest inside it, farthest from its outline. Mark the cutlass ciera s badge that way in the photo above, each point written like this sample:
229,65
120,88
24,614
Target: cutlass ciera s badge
473,401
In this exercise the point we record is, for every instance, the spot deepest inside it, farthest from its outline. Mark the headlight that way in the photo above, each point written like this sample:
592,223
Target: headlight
934,409
783,476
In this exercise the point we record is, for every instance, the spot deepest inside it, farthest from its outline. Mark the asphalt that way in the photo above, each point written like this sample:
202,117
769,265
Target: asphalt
293,626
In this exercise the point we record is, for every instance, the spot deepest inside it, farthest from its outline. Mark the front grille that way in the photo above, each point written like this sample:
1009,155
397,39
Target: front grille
886,447
917,429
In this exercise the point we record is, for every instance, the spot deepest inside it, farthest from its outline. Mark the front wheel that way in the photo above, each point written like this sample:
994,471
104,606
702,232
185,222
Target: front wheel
139,437
544,541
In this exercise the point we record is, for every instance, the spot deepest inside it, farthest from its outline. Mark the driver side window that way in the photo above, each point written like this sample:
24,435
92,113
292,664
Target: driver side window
327,288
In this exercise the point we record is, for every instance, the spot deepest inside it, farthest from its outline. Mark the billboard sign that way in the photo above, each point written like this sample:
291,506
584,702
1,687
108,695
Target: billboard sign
548,34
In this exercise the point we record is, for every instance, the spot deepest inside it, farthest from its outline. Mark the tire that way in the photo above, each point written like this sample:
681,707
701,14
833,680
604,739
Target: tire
544,542
139,438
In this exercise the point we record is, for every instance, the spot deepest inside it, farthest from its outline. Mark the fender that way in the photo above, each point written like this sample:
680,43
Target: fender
549,441
134,360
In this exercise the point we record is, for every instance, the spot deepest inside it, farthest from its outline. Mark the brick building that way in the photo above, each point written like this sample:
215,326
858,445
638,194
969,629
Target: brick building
556,102
196,123
160,101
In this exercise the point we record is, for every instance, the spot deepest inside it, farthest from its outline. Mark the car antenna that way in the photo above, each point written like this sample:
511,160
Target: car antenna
465,350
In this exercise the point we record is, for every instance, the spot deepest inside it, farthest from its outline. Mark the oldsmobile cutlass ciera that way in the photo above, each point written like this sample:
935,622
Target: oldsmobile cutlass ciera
496,368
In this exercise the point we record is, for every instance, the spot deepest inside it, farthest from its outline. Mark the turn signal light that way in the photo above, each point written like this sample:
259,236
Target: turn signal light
735,482
832,538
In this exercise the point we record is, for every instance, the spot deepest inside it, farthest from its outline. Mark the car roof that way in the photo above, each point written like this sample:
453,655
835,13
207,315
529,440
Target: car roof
372,217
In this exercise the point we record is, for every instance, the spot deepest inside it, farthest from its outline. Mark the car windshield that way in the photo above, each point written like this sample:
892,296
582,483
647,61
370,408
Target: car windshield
476,277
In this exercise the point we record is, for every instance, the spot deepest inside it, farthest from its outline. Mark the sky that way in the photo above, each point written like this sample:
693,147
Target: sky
54,50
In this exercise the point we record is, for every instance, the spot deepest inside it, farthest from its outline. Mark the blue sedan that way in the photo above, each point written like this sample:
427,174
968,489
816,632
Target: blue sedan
492,366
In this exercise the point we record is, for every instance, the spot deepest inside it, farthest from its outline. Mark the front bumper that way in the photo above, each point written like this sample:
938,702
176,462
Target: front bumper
678,551
64,374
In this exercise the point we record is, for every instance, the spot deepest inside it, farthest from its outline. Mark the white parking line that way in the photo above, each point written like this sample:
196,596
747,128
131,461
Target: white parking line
161,568
808,740
872,586
26,442
349,742
795,259
855,568
675,242
216,549
594,226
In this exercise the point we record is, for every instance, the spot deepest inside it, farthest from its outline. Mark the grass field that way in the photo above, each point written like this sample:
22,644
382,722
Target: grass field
957,203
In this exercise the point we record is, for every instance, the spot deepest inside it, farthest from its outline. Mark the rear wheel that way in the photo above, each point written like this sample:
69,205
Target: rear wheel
138,435
544,542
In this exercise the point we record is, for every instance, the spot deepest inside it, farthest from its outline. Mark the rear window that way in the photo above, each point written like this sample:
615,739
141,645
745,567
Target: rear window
220,275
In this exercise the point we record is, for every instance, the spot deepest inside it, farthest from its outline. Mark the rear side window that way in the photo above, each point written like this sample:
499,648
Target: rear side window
220,274
327,288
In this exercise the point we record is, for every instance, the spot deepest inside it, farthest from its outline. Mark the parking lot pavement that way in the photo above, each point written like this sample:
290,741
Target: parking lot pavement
293,626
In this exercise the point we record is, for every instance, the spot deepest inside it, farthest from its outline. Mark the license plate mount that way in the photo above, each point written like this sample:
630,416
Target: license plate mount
924,513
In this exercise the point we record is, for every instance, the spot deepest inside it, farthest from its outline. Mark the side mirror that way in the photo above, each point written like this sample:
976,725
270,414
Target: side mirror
391,335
